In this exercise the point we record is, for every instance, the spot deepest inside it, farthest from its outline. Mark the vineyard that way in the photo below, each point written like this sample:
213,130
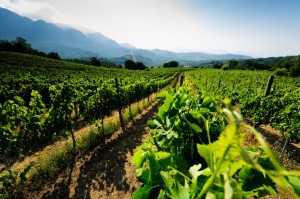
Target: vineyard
41,98
247,89
196,147
197,151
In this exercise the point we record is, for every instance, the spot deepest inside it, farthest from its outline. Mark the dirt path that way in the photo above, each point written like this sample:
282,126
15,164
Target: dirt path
106,172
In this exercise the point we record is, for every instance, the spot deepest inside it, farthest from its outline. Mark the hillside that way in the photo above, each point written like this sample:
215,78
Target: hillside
72,43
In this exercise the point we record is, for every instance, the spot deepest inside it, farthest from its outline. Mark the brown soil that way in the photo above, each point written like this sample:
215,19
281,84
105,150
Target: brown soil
107,171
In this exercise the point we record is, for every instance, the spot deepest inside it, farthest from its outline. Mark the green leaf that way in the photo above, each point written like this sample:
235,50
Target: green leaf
157,123
174,189
204,151
171,134
164,109
139,172
164,159
183,191
235,166
162,95
143,175
154,169
139,158
295,182
151,124
168,123
143,192
162,155
195,127
197,115
168,180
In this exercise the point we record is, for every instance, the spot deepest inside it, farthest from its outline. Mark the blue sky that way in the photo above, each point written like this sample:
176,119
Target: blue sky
261,12
259,28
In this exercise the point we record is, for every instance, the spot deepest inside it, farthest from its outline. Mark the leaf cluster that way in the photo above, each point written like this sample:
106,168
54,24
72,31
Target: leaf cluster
196,151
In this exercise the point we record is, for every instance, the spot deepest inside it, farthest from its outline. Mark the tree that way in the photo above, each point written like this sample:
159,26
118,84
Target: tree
225,67
140,66
129,64
217,65
295,69
171,64
6,46
53,55
95,62
281,72
20,45
232,64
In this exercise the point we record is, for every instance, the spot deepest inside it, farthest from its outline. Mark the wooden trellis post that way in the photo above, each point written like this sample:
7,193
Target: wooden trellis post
268,88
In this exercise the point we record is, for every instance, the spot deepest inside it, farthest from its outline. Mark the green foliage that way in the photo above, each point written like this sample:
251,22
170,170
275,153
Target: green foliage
295,69
217,65
53,55
232,64
130,64
59,115
281,72
95,62
290,63
20,45
225,67
12,182
30,118
171,64
246,88
40,100
196,151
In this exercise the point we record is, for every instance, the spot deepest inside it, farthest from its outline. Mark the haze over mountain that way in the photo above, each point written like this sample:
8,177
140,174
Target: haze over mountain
71,43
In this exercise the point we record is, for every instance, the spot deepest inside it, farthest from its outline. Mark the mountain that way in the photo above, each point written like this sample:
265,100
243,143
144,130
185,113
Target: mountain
71,43
196,56
68,42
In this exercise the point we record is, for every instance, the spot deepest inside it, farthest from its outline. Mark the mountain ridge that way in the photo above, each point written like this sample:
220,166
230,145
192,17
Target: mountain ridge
72,43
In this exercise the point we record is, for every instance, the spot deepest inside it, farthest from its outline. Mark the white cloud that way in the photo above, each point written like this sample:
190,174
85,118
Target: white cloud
32,9
144,23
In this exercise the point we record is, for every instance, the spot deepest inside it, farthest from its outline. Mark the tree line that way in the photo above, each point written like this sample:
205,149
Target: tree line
20,45
280,65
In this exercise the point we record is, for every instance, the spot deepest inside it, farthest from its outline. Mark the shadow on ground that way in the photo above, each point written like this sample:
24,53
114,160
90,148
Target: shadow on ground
106,168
